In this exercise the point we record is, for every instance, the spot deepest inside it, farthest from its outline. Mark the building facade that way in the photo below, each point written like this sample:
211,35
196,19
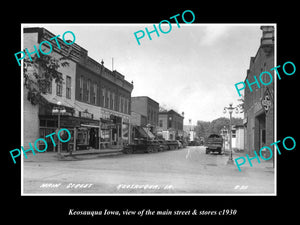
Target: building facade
96,100
144,114
258,117
147,108
170,125
238,136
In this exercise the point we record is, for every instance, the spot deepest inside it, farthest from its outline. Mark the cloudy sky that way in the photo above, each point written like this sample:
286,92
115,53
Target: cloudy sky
192,69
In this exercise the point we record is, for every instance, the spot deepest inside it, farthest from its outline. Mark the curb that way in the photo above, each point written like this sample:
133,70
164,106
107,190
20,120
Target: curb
103,153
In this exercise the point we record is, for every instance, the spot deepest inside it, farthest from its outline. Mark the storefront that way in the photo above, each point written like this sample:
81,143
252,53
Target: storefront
109,131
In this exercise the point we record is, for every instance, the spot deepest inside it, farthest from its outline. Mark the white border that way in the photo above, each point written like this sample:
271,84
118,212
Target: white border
158,194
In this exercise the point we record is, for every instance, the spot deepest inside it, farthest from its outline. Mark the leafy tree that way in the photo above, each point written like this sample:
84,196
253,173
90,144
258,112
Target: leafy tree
202,128
205,128
39,74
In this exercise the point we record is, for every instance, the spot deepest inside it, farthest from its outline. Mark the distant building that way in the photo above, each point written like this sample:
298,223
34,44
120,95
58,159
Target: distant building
144,114
189,131
238,137
259,118
148,110
170,124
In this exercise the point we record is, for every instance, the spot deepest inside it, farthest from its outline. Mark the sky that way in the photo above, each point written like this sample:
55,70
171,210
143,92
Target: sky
191,69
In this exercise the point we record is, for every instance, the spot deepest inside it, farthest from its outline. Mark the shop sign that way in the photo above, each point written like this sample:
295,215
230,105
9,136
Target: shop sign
86,114
266,101
107,126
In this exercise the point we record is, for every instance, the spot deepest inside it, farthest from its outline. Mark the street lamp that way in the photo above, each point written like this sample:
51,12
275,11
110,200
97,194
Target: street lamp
230,109
58,110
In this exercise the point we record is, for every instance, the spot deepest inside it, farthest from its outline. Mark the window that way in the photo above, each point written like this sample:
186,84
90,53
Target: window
108,99
233,133
81,88
95,88
113,100
126,105
49,88
103,97
122,104
88,91
160,123
59,88
68,87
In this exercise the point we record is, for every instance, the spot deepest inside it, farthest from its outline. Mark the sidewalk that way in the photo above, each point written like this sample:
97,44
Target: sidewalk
94,151
267,165
66,156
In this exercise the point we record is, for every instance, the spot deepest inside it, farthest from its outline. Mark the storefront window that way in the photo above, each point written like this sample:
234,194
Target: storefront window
105,136
125,132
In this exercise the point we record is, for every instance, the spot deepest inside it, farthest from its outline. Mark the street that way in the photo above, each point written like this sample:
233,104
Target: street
183,171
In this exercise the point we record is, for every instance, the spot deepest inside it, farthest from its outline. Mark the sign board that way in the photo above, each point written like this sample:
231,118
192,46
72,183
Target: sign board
266,101
86,114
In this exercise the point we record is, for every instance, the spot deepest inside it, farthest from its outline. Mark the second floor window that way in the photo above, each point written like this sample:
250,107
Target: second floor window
103,97
113,101
108,99
81,88
95,88
88,91
68,87
59,88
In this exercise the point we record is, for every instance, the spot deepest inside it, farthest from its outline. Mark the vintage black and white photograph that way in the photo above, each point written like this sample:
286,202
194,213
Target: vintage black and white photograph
172,108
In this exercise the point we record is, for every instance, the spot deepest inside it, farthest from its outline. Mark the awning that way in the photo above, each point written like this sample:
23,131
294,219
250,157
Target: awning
148,133
141,132
52,101
144,132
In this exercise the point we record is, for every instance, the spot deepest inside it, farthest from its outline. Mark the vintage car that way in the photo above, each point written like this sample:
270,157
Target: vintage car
214,144
172,144
163,146
184,143
141,145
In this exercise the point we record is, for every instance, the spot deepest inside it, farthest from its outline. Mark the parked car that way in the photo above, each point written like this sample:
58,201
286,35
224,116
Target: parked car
163,146
184,144
141,145
172,144
214,144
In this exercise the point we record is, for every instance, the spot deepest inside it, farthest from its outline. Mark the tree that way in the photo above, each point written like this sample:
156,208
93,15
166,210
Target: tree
202,128
205,128
39,73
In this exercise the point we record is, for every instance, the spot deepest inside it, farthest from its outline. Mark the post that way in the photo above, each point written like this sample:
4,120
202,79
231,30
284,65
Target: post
58,127
99,133
230,160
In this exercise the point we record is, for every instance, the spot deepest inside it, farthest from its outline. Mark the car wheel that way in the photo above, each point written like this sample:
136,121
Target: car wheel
149,149
128,151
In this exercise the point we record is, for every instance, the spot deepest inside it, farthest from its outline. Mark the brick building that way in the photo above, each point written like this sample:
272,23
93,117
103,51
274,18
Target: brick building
258,122
97,100
170,124
144,113
147,108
